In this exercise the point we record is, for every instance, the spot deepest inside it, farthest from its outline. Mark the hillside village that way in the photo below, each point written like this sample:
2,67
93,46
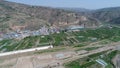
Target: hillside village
20,34
33,36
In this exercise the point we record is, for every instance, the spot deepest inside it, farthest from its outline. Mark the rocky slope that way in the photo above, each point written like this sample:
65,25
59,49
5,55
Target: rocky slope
109,15
14,16
106,15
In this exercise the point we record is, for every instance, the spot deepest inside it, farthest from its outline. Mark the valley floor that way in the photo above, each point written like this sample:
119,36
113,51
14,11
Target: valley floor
52,58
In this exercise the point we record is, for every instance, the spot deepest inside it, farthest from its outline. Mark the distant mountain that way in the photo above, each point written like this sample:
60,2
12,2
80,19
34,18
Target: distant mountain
76,9
109,15
15,16
106,15
115,21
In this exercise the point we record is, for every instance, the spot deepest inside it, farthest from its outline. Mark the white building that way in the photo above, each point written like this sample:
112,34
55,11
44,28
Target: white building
44,31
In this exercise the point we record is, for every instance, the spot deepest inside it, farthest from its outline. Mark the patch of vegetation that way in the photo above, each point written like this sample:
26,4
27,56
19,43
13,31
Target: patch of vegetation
76,64
88,48
79,39
80,45
50,50
91,48
115,38
88,64
108,58
6,7
90,60
97,54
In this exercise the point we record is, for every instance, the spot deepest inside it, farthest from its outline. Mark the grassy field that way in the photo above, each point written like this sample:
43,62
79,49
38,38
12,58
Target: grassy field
88,49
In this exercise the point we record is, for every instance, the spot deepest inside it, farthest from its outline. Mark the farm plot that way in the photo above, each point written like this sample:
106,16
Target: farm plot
62,38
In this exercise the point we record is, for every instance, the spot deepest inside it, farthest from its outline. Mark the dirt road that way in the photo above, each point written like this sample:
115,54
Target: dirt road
52,59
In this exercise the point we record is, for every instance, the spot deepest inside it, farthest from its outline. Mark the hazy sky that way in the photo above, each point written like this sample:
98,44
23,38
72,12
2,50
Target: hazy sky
89,4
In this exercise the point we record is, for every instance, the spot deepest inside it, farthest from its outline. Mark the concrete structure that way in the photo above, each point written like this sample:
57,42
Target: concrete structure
44,31
75,28
102,62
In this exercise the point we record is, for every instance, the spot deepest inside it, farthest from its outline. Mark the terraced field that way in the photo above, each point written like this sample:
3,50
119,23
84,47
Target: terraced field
77,39
104,58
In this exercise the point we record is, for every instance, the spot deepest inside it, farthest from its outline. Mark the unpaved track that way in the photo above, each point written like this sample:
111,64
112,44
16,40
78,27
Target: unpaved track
89,53
47,60
23,63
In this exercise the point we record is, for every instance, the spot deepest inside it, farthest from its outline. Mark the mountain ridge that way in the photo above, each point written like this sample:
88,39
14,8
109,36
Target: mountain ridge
33,17
110,15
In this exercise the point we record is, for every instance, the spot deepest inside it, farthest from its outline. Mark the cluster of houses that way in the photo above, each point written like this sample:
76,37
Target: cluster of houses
42,31
22,34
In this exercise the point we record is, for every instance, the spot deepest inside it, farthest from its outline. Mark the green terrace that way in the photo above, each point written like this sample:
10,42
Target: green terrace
98,60
76,39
